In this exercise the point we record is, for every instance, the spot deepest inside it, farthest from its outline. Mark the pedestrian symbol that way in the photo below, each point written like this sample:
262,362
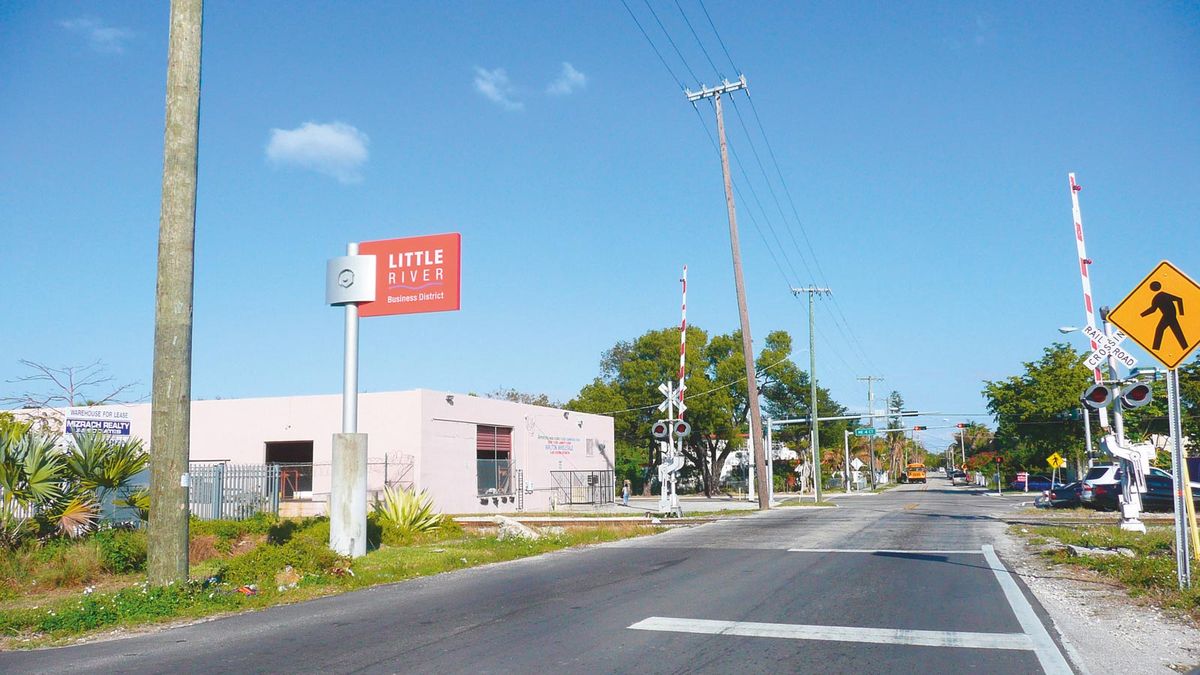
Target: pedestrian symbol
1156,314
1165,303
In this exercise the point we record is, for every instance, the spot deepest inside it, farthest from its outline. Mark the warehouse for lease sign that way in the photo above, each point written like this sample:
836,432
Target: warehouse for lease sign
107,422
414,274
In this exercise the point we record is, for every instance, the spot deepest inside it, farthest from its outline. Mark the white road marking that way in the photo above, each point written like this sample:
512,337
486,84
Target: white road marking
885,551
889,636
1048,654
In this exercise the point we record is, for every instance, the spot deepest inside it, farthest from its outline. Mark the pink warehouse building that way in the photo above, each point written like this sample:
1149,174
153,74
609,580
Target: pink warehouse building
472,454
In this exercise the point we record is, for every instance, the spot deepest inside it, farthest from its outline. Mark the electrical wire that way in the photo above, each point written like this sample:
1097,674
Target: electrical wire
703,393
718,34
671,40
698,40
653,46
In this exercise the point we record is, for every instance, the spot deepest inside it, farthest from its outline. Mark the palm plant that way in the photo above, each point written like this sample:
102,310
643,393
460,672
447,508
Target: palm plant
32,473
102,465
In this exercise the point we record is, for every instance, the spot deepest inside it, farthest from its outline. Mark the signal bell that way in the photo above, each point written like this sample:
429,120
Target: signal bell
1136,396
1097,396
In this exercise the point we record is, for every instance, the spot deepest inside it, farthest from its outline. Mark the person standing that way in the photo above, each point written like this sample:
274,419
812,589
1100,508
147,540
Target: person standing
625,493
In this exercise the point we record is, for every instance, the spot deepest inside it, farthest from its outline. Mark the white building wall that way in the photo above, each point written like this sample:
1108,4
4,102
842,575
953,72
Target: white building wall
436,429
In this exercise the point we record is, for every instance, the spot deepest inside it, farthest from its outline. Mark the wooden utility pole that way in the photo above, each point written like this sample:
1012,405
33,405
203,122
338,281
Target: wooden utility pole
756,426
814,441
171,399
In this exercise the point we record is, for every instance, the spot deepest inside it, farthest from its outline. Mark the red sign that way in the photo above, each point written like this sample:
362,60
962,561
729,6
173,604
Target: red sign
415,274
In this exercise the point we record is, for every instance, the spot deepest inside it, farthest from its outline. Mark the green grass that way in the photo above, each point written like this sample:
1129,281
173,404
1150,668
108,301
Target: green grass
215,584
1150,573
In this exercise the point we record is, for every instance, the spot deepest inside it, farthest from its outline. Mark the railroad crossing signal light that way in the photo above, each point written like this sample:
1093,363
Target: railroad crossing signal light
1136,396
961,425
999,459
1097,396
682,428
661,430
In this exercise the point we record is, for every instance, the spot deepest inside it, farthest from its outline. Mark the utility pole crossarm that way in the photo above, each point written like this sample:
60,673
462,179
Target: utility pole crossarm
710,92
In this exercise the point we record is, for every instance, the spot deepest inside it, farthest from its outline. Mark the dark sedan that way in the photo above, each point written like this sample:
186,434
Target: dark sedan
1065,497
1159,495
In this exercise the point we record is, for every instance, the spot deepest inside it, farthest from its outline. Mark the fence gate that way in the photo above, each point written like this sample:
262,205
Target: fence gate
583,487
233,491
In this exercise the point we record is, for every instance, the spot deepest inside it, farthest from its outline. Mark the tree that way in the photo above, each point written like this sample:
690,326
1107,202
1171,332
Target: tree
47,387
1189,391
1033,410
718,406
972,439
523,397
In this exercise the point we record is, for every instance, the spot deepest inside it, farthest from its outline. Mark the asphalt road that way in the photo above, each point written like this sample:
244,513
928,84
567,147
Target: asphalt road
902,582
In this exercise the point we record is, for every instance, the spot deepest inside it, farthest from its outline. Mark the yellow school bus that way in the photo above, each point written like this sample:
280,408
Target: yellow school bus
915,473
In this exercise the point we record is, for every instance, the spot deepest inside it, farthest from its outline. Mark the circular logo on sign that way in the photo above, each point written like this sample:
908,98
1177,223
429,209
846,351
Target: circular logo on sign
346,278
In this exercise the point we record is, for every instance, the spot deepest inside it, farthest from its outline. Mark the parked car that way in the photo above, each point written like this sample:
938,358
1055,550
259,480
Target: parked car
1035,483
959,477
1065,497
1159,494
1104,481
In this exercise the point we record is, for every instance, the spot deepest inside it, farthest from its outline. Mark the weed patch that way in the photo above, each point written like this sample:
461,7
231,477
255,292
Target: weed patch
305,549
1149,573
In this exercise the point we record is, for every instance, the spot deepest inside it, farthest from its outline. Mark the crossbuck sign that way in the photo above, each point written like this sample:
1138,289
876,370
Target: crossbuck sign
1107,345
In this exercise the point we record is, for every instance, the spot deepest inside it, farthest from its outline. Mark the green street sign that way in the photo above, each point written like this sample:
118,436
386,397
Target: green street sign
864,431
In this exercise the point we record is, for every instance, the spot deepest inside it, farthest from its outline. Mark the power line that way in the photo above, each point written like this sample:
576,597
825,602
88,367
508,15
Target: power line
698,41
839,320
718,34
653,46
670,40
719,387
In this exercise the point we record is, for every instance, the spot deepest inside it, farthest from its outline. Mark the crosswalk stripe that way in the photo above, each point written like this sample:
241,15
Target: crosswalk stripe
893,636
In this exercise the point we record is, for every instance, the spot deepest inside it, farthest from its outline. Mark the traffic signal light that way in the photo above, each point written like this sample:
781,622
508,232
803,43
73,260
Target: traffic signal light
661,430
919,428
999,459
961,425
1136,396
1097,396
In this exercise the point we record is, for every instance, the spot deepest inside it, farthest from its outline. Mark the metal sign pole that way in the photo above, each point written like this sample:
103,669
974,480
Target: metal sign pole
1175,426
350,365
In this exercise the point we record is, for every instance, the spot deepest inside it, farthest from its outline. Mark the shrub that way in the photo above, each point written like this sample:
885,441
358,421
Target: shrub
316,527
305,555
122,551
229,531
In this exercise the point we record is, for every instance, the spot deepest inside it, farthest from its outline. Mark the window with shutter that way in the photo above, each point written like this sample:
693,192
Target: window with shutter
493,460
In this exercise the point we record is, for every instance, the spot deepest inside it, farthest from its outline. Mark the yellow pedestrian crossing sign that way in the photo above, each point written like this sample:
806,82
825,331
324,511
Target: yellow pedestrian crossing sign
1056,461
1162,314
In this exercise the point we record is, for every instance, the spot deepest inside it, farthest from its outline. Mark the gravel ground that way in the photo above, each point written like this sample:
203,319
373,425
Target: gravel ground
1103,630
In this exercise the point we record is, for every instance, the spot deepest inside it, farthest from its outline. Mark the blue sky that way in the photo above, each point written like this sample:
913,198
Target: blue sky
925,147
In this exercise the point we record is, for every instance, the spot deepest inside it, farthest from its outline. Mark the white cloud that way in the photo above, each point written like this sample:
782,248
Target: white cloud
102,38
494,85
336,149
569,80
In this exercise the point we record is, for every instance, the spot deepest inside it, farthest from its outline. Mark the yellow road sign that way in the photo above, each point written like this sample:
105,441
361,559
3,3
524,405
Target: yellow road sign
1056,461
1162,314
